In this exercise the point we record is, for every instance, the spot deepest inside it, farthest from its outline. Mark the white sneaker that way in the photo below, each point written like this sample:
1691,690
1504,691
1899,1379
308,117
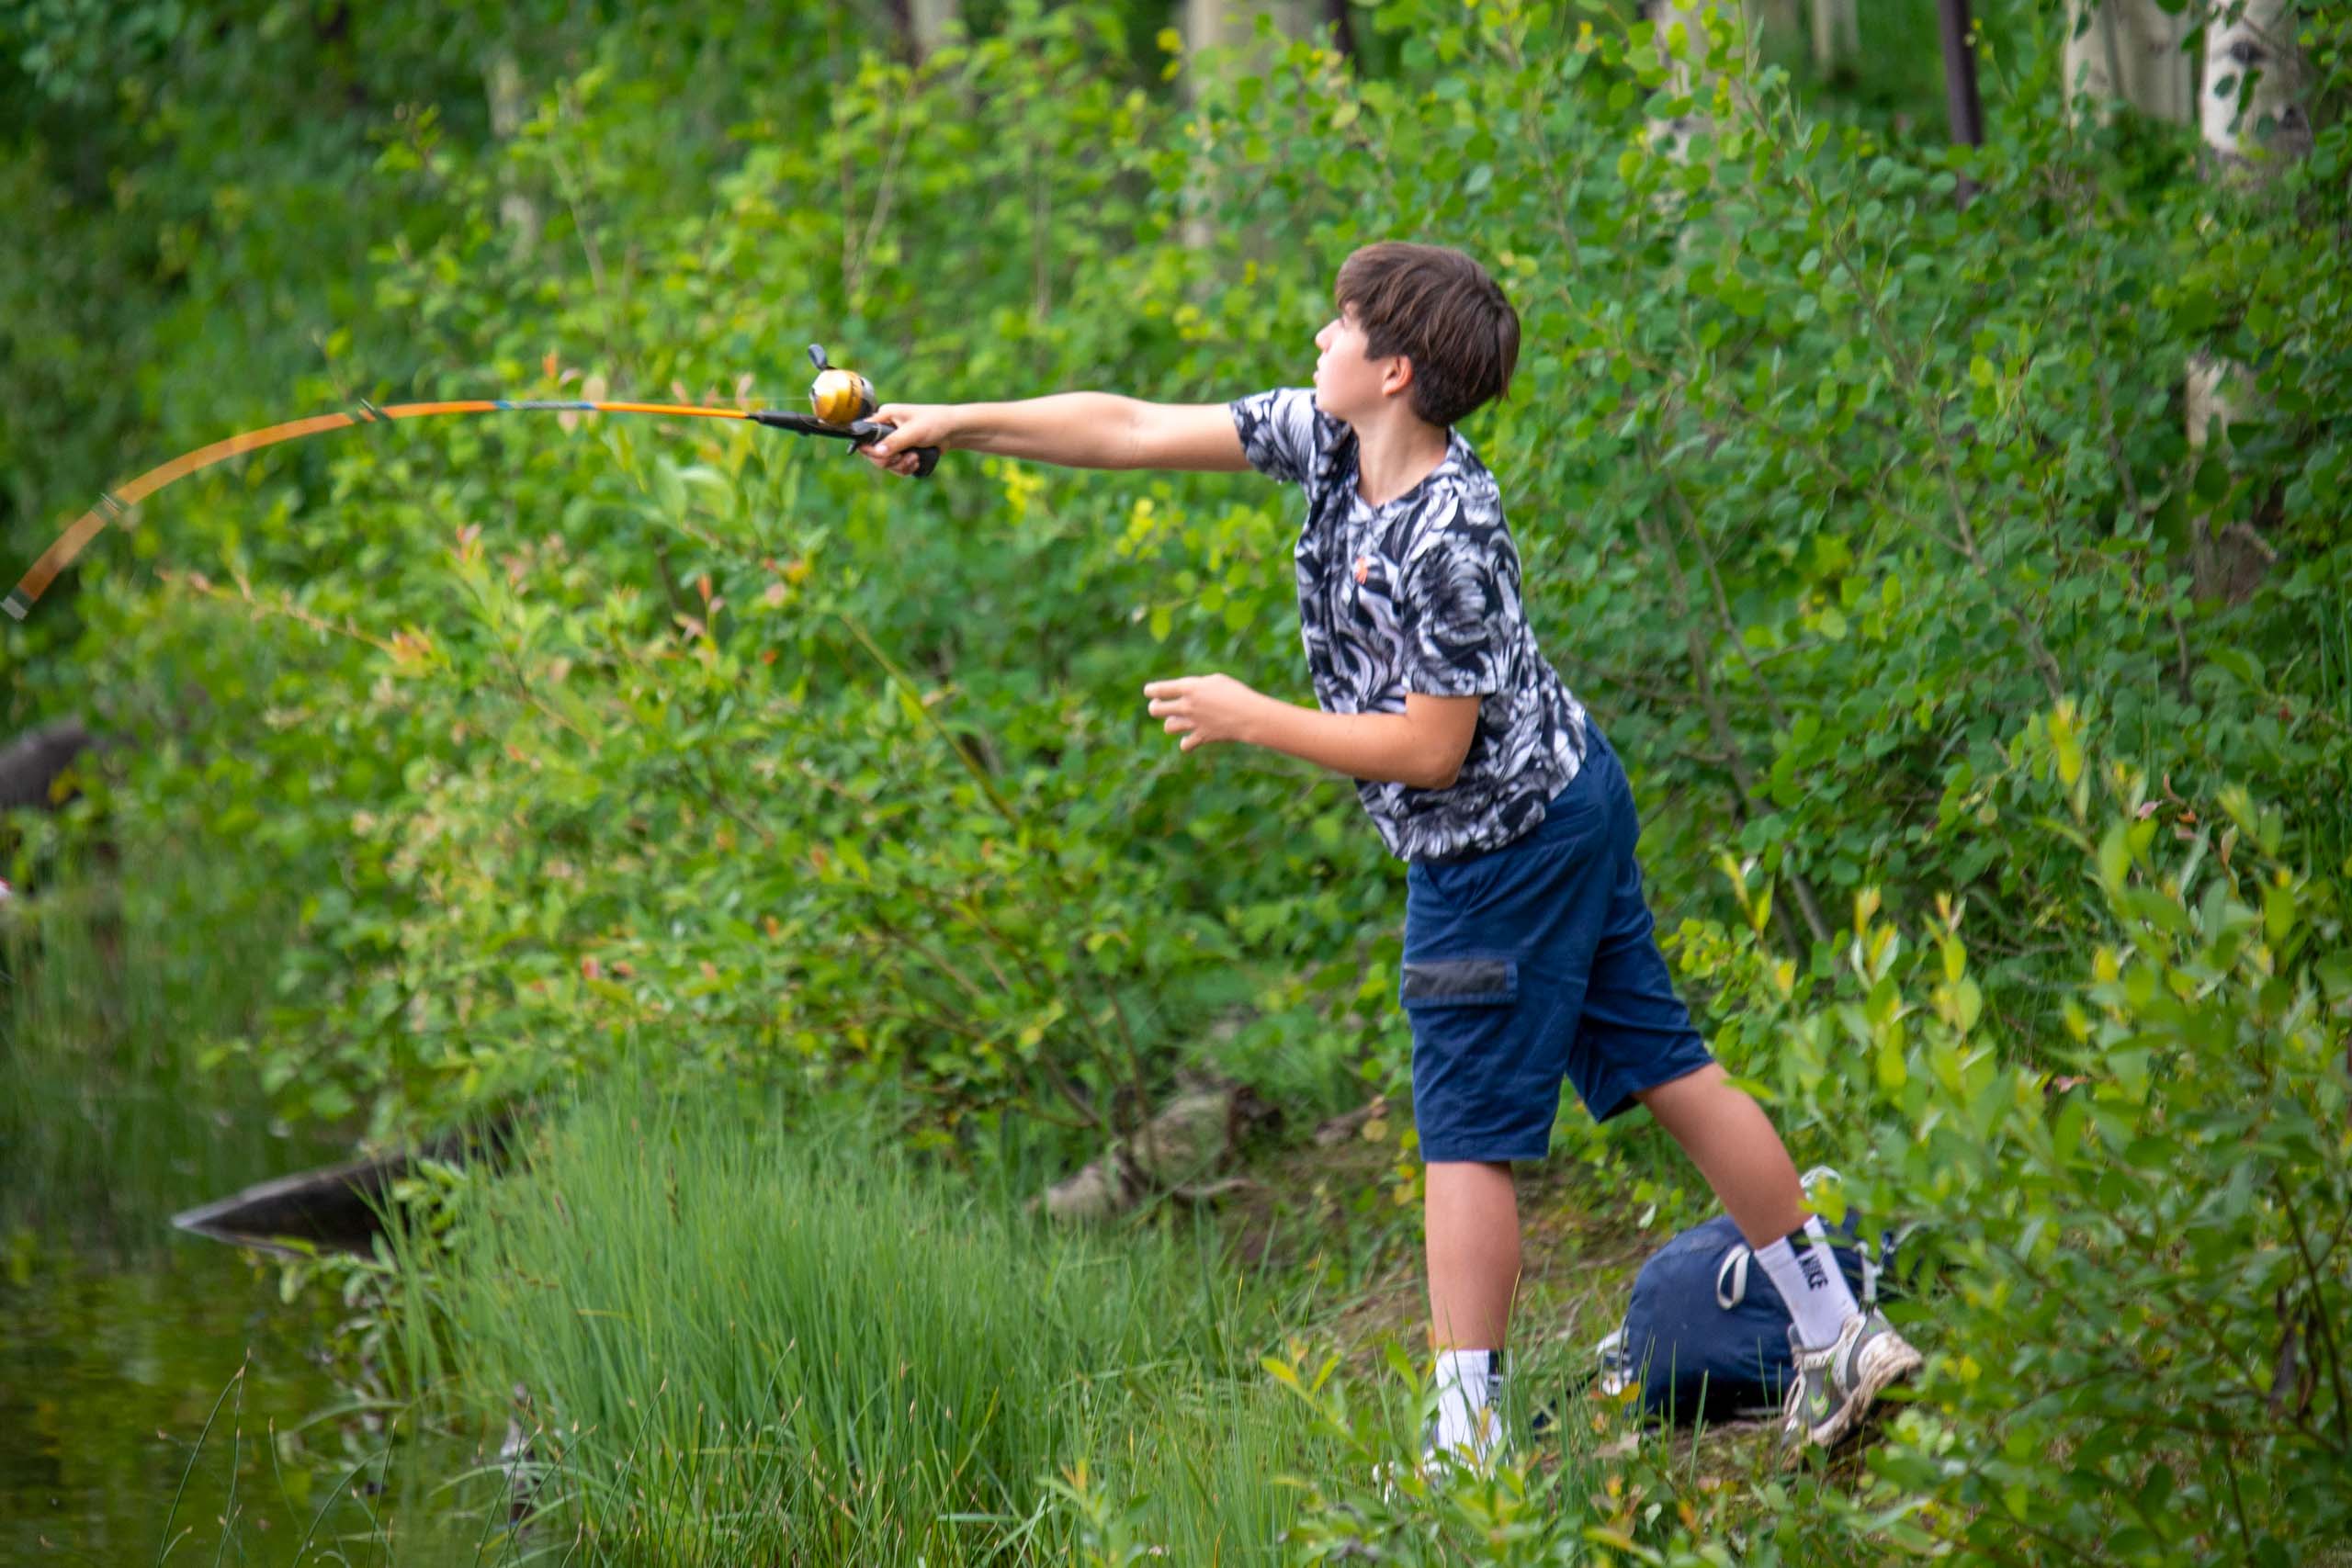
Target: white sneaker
1435,1467
1831,1397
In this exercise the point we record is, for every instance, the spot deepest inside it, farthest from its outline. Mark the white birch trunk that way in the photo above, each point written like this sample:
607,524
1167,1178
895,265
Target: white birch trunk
1836,33
2249,133
1687,63
2132,51
503,86
2254,40
928,19
1228,25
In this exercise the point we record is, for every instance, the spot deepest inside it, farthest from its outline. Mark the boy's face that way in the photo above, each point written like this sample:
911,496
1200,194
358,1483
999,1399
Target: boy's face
1346,383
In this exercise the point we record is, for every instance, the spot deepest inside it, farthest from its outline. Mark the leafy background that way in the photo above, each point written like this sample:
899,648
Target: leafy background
2005,863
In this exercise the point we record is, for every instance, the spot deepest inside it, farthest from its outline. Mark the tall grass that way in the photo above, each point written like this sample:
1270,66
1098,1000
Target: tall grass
751,1336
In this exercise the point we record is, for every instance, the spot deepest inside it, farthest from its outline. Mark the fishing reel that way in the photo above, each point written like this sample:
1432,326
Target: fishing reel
840,396
844,402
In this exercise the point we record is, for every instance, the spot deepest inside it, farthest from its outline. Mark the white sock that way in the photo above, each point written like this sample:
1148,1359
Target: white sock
1467,1383
1811,1283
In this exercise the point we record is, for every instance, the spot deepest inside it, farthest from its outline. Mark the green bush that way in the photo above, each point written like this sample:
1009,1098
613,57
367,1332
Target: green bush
1817,475
1865,519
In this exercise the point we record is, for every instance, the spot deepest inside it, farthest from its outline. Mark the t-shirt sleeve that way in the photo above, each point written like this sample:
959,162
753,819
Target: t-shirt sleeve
1280,432
1455,613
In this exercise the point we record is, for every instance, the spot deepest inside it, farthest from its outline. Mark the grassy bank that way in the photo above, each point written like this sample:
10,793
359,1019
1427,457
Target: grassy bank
750,1335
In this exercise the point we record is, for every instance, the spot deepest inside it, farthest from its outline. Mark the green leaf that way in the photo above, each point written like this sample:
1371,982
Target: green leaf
2212,479
2238,661
2114,857
1891,1071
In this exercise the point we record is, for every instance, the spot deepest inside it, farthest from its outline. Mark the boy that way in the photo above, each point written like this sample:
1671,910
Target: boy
1529,953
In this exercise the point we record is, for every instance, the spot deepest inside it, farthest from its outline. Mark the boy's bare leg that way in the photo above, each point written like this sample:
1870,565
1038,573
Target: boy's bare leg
1731,1140
1471,1231
1845,1357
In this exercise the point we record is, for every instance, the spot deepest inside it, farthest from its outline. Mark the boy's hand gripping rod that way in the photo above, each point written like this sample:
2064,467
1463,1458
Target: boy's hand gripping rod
841,400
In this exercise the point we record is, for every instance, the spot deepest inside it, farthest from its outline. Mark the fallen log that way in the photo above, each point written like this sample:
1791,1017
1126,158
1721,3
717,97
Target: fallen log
334,1208
31,765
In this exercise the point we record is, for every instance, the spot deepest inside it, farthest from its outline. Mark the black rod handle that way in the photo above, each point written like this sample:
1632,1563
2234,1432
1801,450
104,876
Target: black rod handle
857,433
864,430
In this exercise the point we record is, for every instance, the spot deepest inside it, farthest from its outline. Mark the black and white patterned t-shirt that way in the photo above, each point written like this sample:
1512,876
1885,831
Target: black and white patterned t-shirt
1421,594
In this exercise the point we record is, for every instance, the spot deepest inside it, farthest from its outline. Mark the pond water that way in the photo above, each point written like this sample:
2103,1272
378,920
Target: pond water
110,1372
158,1399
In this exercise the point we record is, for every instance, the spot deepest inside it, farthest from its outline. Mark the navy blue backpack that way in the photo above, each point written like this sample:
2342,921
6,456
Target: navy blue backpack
1706,1335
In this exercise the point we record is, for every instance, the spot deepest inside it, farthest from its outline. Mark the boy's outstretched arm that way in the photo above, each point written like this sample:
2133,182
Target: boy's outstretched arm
1075,430
1424,746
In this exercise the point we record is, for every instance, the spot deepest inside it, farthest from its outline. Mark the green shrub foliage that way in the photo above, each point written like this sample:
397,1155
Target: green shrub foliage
2005,860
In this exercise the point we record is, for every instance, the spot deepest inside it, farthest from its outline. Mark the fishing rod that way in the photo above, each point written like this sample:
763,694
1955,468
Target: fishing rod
843,401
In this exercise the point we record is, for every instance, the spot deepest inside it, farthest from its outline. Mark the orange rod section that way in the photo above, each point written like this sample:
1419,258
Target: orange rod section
60,555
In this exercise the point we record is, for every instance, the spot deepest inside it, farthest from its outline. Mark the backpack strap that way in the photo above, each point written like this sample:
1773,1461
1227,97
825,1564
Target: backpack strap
1731,1277
1616,1363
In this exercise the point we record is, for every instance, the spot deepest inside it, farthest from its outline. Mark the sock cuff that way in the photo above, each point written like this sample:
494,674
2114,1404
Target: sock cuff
1475,1362
1813,1233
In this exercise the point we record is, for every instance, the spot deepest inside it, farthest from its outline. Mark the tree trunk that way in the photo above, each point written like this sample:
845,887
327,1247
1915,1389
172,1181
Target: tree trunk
1338,19
2255,39
1687,64
2253,116
927,25
1963,107
1836,34
503,85
2132,51
1229,25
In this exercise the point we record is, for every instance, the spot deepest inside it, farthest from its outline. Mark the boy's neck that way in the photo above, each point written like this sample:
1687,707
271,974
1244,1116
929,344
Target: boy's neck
1394,453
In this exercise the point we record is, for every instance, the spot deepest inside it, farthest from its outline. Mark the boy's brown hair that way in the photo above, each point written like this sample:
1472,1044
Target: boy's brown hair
1439,309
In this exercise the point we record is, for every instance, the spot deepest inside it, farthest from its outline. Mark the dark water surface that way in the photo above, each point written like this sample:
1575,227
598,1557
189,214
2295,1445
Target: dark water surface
159,1400
108,1376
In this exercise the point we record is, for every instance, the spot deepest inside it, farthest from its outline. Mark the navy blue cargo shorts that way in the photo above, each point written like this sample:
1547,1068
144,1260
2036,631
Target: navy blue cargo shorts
1532,962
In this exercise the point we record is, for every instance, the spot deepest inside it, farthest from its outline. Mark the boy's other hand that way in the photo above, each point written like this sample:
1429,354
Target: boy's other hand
1203,708
918,425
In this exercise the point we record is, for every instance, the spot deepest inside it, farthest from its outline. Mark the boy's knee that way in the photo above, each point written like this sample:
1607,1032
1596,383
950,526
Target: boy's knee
1698,1080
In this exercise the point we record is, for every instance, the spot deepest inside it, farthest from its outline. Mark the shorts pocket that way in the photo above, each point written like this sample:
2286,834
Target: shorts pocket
1469,980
